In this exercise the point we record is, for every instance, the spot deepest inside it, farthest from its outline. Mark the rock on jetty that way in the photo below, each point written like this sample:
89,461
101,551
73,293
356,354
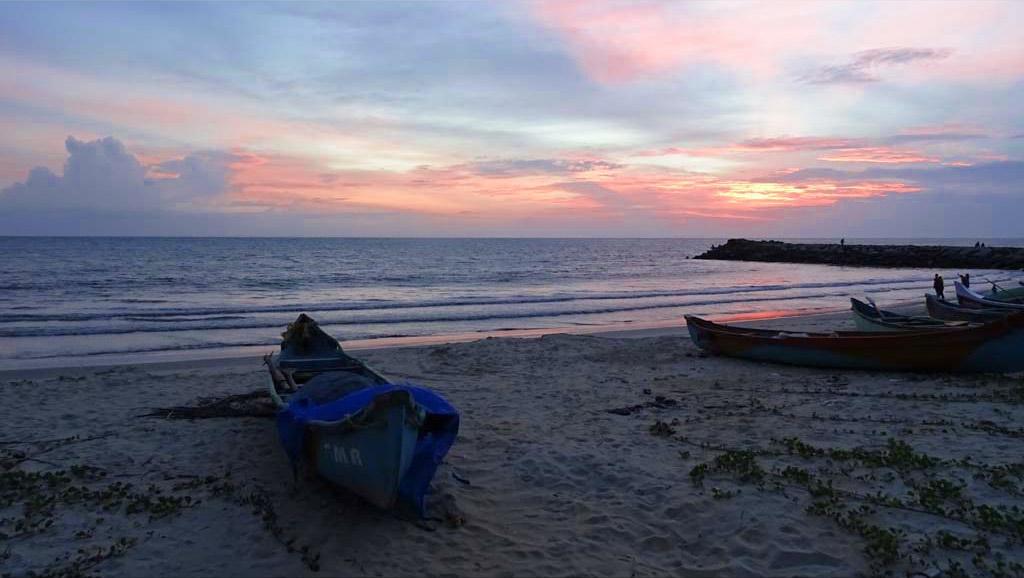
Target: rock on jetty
920,256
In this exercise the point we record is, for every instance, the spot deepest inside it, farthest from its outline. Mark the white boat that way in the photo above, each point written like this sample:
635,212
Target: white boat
969,298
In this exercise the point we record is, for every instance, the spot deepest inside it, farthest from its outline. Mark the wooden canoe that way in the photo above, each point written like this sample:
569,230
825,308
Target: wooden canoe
377,440
997,347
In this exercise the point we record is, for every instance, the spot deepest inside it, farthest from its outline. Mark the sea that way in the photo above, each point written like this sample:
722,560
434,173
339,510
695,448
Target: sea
69,301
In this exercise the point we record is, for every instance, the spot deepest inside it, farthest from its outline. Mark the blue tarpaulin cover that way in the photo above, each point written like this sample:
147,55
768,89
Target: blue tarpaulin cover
436,435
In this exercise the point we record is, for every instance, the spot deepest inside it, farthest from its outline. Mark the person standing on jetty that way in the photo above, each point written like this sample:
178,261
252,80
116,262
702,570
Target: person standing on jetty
940,287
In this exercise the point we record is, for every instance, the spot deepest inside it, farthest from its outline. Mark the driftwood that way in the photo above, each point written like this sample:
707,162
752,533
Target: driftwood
253,404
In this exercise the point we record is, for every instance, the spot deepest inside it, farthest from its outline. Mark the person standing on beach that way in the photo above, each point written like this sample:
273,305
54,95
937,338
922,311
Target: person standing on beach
965,280
940,287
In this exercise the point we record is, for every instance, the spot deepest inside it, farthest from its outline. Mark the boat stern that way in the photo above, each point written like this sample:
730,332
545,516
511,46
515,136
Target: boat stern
370,454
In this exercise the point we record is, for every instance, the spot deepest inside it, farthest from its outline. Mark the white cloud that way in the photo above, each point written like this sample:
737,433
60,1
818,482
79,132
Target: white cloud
102,176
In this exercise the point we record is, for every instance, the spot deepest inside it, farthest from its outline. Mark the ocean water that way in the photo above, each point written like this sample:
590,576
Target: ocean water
69,301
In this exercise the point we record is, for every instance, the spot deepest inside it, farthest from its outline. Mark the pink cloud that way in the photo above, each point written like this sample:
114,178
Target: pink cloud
280,182
793,143
816,193
882,155
497,193
724,216
676,195
591,188
760,145
843,150
615,42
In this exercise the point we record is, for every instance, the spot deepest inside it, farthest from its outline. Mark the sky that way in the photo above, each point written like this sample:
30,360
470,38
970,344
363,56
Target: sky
566,118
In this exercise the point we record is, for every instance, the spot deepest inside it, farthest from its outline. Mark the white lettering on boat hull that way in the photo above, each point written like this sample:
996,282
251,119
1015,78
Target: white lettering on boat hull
344,456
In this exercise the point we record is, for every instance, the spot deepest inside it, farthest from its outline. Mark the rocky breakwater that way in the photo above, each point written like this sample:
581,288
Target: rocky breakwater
926,256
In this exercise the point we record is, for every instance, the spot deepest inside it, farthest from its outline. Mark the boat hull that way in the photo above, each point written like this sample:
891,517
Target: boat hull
950,311
994,347
371,456
870,325
971,299
867,318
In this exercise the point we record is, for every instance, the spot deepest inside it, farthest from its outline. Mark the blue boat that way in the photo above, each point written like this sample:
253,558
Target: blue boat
356,429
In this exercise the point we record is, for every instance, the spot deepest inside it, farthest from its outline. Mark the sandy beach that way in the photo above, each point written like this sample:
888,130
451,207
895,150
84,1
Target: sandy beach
611,455
506,212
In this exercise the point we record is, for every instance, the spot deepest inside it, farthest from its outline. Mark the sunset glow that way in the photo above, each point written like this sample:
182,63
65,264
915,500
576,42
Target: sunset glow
557,118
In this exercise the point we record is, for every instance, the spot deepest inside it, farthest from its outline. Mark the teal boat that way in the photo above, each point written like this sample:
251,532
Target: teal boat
952,311
356,429
1012,295
868,317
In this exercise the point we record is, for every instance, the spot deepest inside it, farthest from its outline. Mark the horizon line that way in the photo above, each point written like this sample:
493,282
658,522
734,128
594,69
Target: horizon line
755,238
